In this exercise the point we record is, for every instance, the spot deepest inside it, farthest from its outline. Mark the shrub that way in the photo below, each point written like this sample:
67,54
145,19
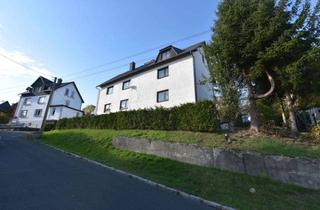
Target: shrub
50,125
201,116
4,118
315,132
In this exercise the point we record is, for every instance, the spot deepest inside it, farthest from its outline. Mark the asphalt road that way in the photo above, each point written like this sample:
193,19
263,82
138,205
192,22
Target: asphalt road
34,176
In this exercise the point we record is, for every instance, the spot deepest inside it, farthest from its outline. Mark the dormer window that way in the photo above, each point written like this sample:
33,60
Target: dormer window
165,55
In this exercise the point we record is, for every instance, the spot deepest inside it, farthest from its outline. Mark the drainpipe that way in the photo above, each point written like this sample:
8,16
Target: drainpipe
96,109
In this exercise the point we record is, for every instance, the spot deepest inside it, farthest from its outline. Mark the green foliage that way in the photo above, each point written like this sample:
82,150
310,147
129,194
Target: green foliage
315,132
4,118
200,116
270,113
88,109
224,78
275,38
50,125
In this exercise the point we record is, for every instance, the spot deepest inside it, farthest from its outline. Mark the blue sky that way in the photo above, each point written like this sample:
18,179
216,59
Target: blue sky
63,37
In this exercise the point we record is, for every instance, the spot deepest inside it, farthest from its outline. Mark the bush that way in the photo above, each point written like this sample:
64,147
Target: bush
4,118
201,116
50,125
315,132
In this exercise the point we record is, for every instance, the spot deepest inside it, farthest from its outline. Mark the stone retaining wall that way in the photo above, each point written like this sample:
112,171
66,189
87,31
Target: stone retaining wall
299,171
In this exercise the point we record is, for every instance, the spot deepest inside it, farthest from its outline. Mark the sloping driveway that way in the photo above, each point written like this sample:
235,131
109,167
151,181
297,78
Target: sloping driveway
34,176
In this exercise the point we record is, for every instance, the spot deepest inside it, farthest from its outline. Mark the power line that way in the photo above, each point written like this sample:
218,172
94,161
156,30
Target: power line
111,62
140,53
105,70
23,65
15,87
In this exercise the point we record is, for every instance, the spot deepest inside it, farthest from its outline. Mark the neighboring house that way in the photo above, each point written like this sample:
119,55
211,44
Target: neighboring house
314,114
175,77
5,107
65,103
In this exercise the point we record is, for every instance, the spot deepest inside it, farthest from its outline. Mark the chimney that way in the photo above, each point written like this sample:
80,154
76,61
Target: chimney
132,66
59,81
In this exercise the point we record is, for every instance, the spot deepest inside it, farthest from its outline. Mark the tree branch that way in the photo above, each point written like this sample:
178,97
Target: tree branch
270,91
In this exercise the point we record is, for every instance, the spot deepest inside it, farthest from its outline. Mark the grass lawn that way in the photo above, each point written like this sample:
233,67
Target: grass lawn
226,188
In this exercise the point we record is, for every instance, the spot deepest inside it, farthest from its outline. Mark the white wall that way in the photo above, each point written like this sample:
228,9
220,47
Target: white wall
31,120
204,87
180,83
63,112
59,98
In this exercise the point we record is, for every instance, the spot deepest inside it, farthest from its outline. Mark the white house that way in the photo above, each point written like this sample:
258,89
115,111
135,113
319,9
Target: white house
66,102
175,77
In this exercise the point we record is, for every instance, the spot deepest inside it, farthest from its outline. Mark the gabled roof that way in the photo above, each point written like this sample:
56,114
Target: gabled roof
42,81
180,53
5,107
67,83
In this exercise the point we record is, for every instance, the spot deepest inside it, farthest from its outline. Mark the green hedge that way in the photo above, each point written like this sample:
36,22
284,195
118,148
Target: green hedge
201,116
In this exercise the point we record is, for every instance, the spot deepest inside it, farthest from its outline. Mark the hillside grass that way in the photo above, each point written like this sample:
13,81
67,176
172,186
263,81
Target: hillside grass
227,188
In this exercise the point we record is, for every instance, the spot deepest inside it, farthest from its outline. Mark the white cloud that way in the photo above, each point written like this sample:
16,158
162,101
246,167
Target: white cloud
17,71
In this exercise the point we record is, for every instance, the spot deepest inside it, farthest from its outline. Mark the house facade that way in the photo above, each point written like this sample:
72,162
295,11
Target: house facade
175,77
66,102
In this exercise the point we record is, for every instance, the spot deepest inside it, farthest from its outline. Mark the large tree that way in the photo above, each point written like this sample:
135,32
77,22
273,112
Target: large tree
88,110
246,35
293,54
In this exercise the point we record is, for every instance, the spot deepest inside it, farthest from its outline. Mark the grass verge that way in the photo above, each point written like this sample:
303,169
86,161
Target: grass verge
226,188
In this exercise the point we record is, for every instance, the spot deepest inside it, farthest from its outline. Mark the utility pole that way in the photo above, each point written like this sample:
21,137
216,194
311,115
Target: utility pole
43,125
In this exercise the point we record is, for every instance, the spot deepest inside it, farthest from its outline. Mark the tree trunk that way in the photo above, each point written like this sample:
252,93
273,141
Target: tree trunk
294,132
231,126
253,97
283,115
255,122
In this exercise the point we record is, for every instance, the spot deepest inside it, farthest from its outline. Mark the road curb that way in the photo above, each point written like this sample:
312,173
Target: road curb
181,193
